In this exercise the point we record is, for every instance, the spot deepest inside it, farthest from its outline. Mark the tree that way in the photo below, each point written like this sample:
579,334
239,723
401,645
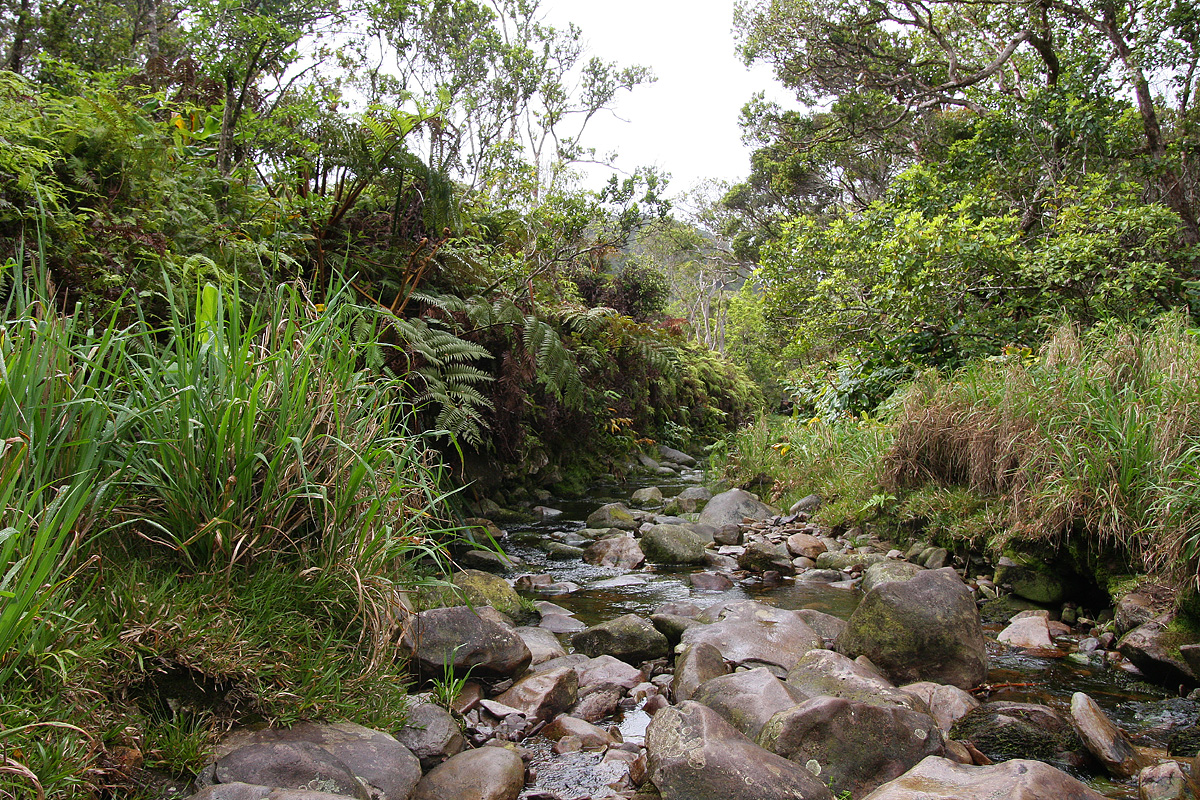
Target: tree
881,64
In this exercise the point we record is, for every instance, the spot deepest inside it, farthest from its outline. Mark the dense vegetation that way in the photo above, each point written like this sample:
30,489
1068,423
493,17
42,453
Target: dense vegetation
977,246
286,287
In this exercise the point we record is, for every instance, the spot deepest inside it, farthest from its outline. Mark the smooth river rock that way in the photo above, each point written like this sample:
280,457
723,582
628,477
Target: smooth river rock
460,639
748,699
489,773
753,634
694,754
852,746
628,637
1019,779
731,507
924,629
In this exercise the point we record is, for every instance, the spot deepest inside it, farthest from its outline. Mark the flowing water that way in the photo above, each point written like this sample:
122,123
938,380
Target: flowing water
1147,712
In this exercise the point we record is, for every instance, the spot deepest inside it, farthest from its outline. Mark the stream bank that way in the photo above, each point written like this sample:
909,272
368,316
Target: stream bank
580,722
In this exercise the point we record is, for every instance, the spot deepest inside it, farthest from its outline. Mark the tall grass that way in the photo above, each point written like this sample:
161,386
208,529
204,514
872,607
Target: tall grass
58,409
1098,435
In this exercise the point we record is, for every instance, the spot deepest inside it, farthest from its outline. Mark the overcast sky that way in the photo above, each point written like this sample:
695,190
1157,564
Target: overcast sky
687,122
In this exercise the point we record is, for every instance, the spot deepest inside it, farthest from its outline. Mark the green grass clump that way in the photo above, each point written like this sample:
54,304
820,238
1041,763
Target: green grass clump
207,523
785,459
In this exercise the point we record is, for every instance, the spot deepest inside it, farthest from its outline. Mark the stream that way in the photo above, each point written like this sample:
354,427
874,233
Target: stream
1146,712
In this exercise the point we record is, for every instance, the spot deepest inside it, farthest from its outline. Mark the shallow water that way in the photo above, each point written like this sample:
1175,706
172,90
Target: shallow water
1146,712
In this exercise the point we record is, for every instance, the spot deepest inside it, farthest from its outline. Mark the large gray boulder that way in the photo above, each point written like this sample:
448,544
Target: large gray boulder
543,644
613,515
694,754
1020,779
676,456
485,589
925,628
1103,739
752,634
616,551
673,544
342,758
290,765
1154,649
852,746
889,570
731,507
459,639
489,773
947,704
628,637
824,672
748,699
246,791
431,734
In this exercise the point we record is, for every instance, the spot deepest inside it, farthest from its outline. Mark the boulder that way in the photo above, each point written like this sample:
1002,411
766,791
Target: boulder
292,765
1139,607
628,637
543,644
807,503
889,570
947,704
246,791
598,703
543,695
761,556
672,625
613,515
852,746
1103,739
673,544
1002,730
1028,632
460,639
925,628
604,670
826,673
560,551
731,507
430,734
827,626
675,456
695,754
710,581
615,551
747,699
485,589
1154,649
489,773
848,562
696,665
1020,779
805,545
648,496
750,633
1031,578
383,766
1164,781
589,735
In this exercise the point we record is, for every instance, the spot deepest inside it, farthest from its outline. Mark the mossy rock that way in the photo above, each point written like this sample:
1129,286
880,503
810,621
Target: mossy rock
1002,731
1185,742
485,589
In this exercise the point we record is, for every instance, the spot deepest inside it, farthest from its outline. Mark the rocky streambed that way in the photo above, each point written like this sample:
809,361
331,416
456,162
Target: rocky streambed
673,644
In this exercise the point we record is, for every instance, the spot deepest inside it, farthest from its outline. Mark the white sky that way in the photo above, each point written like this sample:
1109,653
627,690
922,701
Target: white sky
687,122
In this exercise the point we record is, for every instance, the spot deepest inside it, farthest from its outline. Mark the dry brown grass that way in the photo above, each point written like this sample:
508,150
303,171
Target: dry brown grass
1099,433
